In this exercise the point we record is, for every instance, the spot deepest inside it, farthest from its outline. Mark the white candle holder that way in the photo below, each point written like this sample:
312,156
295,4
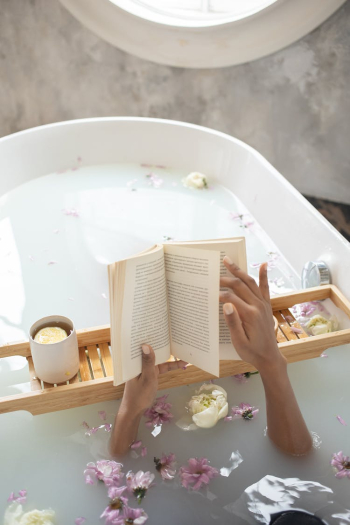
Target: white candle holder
55,362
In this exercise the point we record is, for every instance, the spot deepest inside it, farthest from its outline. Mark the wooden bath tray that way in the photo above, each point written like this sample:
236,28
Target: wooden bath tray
94,381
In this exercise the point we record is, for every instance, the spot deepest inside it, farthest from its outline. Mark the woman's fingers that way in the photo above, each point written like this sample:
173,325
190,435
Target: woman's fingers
263,282
240,289
227,296
243,276
233,321
148,359
171,365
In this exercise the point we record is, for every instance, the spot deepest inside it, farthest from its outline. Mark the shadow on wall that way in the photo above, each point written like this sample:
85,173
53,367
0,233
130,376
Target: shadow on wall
337,214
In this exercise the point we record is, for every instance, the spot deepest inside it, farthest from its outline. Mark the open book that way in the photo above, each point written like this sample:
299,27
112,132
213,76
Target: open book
168,297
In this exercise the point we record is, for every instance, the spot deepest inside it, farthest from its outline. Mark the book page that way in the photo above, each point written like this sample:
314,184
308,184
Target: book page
192,278
236,250
144,313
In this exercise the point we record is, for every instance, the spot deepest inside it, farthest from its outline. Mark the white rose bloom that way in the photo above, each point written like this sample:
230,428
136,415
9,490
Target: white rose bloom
195,180
14,516
320,325
209,405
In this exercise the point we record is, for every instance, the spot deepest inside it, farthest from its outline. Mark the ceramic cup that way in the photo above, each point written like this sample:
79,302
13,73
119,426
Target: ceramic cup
55,362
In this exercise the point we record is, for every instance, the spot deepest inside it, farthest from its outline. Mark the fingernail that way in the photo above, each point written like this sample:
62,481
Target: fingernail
228,260
145,349
228,308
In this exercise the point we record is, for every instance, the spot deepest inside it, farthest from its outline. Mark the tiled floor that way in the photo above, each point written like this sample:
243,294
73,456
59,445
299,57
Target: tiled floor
337,214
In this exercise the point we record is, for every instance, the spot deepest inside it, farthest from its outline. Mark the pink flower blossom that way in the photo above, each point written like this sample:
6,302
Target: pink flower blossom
154,180
296,330
110,472
342,465
71,211
166,466
102,414
341,421
116,504
197,473
79,521
21,498
245,411
130,516
236,216
139,483
240,378
144,451
108,427
159,413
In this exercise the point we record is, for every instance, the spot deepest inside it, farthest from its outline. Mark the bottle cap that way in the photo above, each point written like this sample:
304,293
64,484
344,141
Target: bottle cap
315,273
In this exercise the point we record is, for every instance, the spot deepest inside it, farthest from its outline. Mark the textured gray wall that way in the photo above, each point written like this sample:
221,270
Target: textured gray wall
293,106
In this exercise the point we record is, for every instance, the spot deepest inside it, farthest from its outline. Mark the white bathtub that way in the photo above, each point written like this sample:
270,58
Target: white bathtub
52,449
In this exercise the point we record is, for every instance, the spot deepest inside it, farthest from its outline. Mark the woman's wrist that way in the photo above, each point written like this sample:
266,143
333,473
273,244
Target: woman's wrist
276,369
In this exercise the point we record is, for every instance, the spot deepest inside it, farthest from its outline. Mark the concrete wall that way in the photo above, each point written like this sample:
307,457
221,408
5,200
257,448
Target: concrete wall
293,106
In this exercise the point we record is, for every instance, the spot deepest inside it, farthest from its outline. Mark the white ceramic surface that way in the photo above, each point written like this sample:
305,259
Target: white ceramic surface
94,167
55,362
201,44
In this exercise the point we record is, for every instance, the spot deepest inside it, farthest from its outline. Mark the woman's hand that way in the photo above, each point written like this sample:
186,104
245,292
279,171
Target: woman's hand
139,394
248,315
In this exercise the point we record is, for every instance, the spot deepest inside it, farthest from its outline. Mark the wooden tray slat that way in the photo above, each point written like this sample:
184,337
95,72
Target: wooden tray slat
84,365
106,358
287,314
285,327
74,379
35,383
95,361
281,338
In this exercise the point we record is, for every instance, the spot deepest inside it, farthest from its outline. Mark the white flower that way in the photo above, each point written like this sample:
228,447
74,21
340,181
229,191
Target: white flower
209,405
195,180
14,515
320,325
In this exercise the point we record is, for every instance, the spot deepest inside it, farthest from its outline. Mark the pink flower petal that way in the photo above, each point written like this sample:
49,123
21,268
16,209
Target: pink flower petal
323,355
289,318
102,414
79,521
52,262
296,330
144,451
341,420
104,295
108,427
135,445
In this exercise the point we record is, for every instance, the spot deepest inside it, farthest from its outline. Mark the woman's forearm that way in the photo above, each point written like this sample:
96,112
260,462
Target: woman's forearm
124,431
285,424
